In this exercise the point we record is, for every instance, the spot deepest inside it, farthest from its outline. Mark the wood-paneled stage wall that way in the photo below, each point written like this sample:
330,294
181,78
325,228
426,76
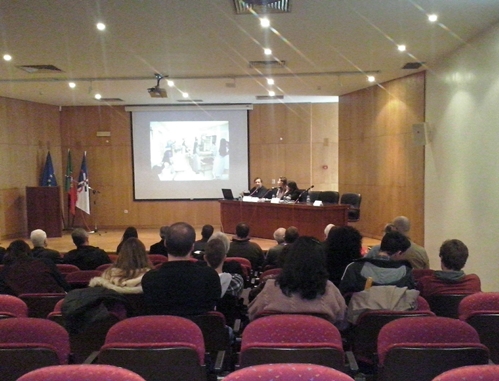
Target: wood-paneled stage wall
299,141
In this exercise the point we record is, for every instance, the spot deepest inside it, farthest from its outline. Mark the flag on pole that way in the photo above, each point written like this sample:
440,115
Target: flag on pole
48,175
70,186
83,193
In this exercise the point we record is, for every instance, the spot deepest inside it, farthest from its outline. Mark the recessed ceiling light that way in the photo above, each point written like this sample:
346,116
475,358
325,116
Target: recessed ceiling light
264,22
97,96
270,81
170,83
371,78
101,26
432,17
267,51
72,85
401,48
185,95
272,93
7,57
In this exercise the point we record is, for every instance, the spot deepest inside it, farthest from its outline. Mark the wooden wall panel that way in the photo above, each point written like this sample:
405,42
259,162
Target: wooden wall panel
377,156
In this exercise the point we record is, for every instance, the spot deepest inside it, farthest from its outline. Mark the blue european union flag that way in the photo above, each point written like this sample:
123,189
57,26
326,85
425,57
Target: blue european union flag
48,176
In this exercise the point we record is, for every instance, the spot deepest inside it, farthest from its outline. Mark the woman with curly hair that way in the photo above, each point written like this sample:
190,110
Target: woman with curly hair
343,245
125,276
302,286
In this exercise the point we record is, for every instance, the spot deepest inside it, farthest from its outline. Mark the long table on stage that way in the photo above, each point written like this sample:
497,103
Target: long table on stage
264,217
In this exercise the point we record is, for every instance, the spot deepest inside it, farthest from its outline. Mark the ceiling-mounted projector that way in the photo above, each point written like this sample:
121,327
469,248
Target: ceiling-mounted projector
156,91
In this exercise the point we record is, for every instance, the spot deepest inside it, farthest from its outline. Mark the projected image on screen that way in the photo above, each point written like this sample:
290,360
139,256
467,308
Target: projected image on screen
185,151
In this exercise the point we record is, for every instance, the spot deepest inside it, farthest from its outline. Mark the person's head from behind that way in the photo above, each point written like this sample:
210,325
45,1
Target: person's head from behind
402,224
163,230
214,253
38,238
80,237
206,232
279,235
180,239
242,230
133,256
304,270
453,255
130,232
222,237
394,243
16,251
343,244
291,234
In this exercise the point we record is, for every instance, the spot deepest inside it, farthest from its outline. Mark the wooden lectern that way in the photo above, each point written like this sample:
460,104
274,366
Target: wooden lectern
43,207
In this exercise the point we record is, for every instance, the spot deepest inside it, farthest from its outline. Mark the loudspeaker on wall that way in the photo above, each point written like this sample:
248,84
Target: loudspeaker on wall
421,133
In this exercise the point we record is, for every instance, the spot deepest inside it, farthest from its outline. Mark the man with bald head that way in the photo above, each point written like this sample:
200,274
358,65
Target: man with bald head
416,255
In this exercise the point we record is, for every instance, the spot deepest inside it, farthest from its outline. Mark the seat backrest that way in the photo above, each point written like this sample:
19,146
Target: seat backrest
446,305
40,305
30,343
155,346
354,200
215,334
291,338
65,269
12,306
81,278
271,273
481,311
157,258
364,335
104,267
329,197
431,345
472,372
245,264
419,273
81,372
287,372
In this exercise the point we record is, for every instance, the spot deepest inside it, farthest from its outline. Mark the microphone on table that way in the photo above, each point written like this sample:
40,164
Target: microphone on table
268,190
252,193
302,193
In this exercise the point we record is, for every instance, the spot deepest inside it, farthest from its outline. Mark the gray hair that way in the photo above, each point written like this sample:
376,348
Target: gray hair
402,224
327,229
222,237
279,235
38,238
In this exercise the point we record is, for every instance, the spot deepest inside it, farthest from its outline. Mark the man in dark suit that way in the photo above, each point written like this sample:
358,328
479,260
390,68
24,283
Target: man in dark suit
40,250
159,247
85,256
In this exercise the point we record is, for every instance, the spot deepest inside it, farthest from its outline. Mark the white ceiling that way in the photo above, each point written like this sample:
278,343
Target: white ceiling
205,47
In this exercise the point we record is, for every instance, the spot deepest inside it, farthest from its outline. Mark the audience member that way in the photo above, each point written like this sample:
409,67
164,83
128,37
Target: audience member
215,253
159,247
386,269
40,250
206,233
241,246
274,251
181,287
129,232
451,279
24,274
416,255
125,276
85,256
302,286
342,246
327,229
290,236
258,190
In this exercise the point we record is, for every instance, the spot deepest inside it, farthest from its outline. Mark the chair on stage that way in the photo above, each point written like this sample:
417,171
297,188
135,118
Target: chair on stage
82,372
30,343
292,338
156,347
329,197
352,199
481,311
419,349
473,372
41,304
12,306
287,372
